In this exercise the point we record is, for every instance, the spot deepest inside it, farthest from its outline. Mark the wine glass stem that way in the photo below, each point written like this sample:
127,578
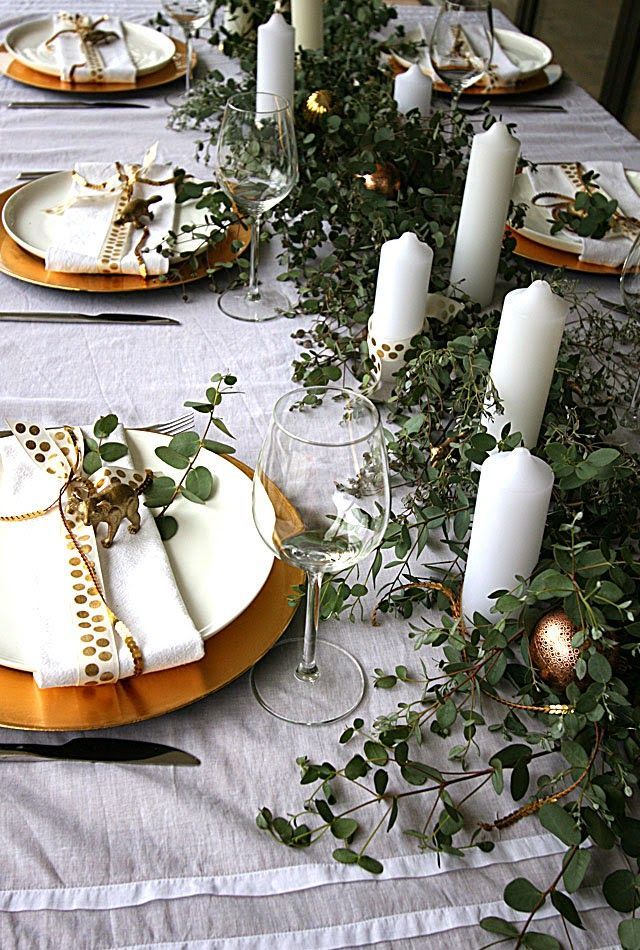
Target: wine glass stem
188,35
456,92
307,669
253,293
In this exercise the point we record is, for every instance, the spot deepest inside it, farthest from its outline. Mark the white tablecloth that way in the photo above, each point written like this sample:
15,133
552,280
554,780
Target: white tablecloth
163,857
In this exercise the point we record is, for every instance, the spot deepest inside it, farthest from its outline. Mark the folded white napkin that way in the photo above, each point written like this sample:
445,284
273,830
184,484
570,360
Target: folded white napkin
502,71
138,581
612,249
112,61
84,225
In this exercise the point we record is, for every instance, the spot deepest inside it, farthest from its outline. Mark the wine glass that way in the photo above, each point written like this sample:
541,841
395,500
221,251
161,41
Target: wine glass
630,289
257,166
320,503
462,43
190,15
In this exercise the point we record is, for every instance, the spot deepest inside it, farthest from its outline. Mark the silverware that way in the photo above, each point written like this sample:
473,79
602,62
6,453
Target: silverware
127,751
76,104
525,106
613,305
45,316
170,427
31,176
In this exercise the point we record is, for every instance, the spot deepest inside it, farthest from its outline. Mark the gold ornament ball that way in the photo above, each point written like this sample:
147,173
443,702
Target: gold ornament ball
551,650
318,105
385,179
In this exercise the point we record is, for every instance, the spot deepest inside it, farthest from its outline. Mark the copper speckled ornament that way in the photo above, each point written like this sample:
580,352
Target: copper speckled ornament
318,106
385,179
551,650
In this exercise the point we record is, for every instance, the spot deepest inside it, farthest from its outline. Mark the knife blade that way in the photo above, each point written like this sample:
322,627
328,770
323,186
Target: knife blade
75,104
44,316
613,305
126,751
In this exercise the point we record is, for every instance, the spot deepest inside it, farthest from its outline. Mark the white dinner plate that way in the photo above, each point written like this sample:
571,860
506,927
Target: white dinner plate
26,220
537,226
149,50
529,54
219,561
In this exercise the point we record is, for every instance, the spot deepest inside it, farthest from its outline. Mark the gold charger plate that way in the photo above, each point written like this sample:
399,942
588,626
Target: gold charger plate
540,80
552,257
16,262
228,655
175,69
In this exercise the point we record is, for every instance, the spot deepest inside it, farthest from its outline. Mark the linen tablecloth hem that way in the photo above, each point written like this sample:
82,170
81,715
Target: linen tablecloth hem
268,882
421,923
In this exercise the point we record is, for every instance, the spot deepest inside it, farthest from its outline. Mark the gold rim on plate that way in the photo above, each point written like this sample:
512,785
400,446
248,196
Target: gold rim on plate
228,655
176,68
535,83
552,257
16,262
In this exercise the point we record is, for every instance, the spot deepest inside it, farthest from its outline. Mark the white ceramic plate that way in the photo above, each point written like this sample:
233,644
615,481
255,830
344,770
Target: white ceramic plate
219,561
149,49
26,220
529,54
536,225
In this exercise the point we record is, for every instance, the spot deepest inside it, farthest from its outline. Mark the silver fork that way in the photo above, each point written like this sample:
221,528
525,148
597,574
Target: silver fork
171,427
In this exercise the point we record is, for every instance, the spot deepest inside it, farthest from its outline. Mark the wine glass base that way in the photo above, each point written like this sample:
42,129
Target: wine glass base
236,304
336,692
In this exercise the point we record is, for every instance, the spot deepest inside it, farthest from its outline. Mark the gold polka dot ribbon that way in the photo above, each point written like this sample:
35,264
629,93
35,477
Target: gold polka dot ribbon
93,624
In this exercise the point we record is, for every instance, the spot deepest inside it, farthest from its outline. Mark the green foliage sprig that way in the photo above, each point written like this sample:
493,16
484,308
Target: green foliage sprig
575,765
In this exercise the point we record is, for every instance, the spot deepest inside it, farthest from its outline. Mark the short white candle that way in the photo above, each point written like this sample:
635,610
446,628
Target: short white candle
307,19
401,291
524,359
276,58
508,525
412,90
487,191
237,20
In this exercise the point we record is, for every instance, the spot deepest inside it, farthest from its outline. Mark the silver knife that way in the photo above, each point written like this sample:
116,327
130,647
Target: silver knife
76,104
36,316
128,751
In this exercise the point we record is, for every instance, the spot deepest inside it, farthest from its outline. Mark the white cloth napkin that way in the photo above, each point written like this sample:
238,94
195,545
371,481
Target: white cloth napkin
117,64
610,250
139,583
502,71
84,225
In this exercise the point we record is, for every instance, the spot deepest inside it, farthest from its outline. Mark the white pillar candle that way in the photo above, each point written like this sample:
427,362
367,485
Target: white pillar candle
307,19
276,58
412,90
508,525
401,291
487,191
524,359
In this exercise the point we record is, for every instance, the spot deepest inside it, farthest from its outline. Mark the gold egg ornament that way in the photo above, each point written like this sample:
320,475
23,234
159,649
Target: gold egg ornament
385,179
318,106
551,650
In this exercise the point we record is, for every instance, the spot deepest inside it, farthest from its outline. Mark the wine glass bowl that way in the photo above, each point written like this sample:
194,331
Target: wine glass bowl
325,453
190,15
461,44
257,166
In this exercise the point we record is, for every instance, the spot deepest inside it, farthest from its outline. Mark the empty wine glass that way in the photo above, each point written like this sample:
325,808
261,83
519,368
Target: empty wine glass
323,471
630,289
190,15
257,166
461,44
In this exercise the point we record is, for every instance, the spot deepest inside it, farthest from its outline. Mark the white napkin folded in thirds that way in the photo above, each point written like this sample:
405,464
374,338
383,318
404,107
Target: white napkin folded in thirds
502,71
108,62
87,218
612,249
138,582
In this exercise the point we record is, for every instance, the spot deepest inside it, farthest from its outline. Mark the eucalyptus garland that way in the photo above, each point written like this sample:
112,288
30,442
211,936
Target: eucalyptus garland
571,759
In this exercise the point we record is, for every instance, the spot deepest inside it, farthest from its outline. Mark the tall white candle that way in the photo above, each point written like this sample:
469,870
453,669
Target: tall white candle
524,359
487,190
276,58
508,525
412,90
402,287
307,19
